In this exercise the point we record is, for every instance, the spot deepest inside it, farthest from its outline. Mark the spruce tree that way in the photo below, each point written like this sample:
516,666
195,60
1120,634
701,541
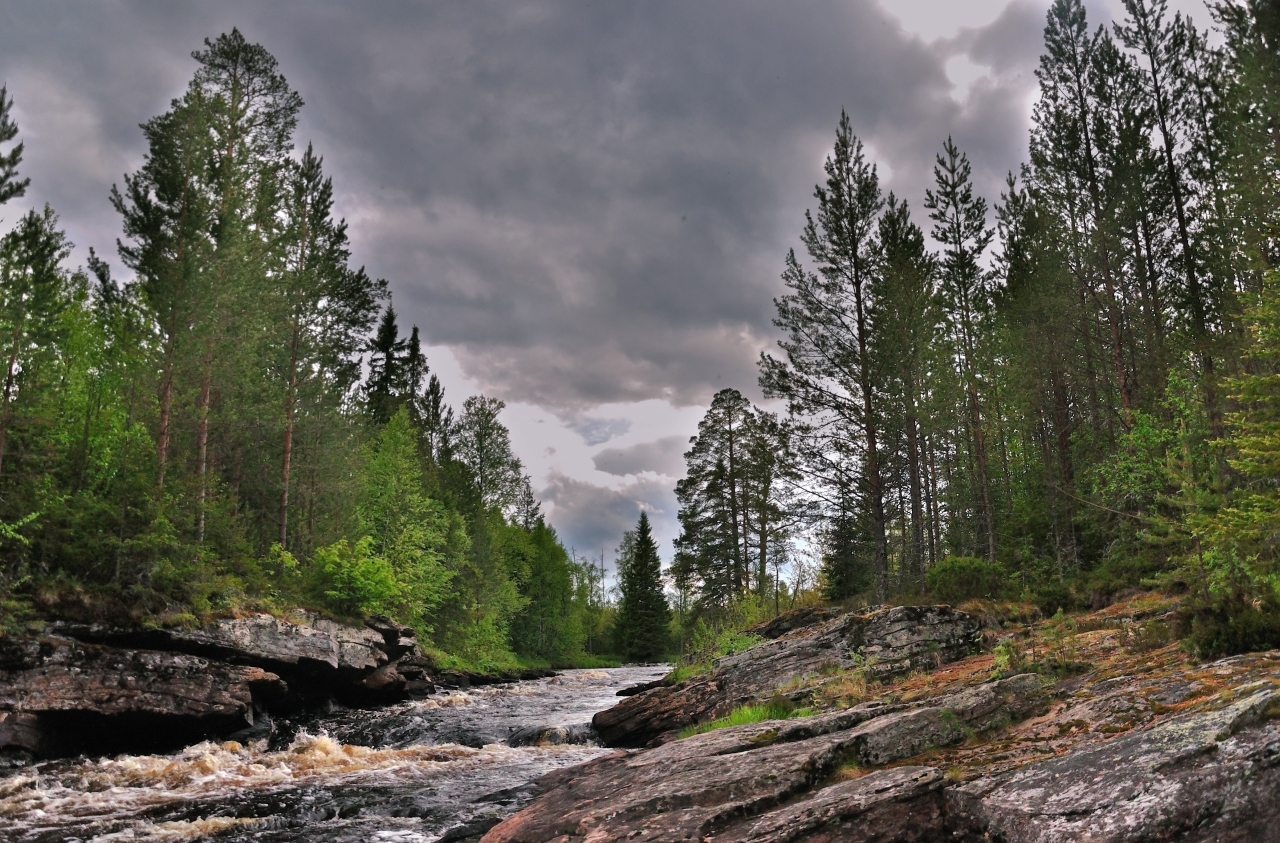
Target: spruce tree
385,383
643,615
10,185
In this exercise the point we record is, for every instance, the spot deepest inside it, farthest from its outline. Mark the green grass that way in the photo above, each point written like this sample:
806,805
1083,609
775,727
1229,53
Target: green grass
778,708
687,671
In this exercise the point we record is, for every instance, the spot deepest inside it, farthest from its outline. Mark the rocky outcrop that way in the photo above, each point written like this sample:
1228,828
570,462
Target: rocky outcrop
881,644
1147,747
1204,776
793,620
59,696
754,782
97,688
318,658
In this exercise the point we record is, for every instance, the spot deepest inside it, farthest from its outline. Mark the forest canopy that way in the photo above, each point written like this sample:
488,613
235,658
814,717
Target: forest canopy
1057,395
242,425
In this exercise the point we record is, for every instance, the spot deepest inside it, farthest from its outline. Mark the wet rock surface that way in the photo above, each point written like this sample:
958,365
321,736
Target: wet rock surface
59,696
1145,746
1208,776
883,643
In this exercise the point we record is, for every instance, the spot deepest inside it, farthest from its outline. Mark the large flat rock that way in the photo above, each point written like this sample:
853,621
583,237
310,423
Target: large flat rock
767,781
882,644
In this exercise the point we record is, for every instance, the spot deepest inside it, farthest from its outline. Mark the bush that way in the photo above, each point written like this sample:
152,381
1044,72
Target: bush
1232,606
959,578
354,581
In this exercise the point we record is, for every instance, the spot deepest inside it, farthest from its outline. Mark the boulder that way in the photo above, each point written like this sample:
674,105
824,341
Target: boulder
551,735
59,696
793,620
882,643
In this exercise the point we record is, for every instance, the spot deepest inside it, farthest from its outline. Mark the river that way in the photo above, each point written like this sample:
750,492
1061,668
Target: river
436,769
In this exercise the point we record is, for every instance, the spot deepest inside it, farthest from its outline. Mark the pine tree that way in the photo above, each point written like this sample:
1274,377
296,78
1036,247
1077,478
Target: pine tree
830,371
11,186
960,225
33,294
325,308
644,618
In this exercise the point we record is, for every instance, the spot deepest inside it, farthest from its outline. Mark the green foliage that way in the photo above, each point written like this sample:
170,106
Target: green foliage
197,441
708,643
960,578
776,708
552,624
355,581
644,617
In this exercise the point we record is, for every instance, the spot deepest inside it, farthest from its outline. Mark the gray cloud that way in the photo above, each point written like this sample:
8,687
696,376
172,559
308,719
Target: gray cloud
587,202
665,456
591,518
599,431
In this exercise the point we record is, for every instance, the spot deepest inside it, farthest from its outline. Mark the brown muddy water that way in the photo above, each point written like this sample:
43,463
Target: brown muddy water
436,769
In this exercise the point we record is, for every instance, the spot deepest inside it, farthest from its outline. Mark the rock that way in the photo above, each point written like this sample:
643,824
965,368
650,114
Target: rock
882,644
639,719
62,696
902,804
643,686
950,720
319,658
666,796
1210,776
795,619
551,735
728,784
397,641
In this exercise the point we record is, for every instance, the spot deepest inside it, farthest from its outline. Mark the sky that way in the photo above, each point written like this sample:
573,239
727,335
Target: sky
583,205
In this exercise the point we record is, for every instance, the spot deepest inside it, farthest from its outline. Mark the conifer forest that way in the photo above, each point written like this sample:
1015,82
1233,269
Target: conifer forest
1058,395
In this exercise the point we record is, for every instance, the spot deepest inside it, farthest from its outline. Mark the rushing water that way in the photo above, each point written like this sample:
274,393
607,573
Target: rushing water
430,770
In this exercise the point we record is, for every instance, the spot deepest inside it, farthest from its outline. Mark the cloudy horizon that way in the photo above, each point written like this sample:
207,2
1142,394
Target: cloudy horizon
584,207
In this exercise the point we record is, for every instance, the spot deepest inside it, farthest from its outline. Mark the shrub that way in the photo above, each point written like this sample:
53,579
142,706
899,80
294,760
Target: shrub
1232,606
354,581
959,578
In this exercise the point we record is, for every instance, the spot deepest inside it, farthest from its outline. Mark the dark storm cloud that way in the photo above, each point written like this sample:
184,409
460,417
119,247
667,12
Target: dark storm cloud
586,202
590,518
664,456
589,202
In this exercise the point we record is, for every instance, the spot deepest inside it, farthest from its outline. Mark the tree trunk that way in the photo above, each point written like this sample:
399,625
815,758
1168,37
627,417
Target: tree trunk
875,486
6,416
202,440
913,477
289,407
